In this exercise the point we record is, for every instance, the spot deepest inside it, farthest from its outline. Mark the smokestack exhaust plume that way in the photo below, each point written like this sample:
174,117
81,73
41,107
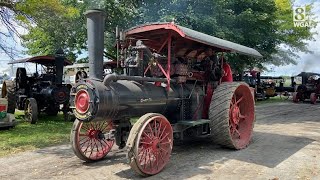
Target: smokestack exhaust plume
95,31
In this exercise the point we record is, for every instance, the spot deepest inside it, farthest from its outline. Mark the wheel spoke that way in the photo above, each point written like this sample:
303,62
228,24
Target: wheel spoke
85,151
239,100
151,130
163,131
145,159
164,137
161,149
148,143
162,157
157,159
159,131
242,116
235,131
155,128
82,144
150,159
144,152
163,143
144,133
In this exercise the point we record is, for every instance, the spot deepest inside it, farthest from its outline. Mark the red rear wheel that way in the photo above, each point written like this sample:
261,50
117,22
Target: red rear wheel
150,144
232,115
313,98
88,139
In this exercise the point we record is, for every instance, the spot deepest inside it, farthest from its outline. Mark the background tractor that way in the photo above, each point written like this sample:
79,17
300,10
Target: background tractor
40,92
308,88
173,80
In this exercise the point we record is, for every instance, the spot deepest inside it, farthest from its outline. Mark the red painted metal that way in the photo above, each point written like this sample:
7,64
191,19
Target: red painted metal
147,69
207,101
163,71
91,141
169,61
157,83
227,73
82,101
3,108
154,145
162,46
241,117
146,28
197,75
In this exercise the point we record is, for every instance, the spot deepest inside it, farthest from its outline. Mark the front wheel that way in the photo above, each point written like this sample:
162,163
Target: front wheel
150,144
91,141
232,115
31,111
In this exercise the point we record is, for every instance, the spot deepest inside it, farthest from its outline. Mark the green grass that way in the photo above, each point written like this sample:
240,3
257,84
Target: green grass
25,136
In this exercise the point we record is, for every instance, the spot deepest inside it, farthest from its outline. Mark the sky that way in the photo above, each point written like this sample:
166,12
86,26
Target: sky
306,62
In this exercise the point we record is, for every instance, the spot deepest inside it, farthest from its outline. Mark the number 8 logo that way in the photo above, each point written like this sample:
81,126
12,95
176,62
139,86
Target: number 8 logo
299,14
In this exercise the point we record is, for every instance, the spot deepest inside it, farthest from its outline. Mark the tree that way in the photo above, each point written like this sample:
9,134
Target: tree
293,39
62,24
9,24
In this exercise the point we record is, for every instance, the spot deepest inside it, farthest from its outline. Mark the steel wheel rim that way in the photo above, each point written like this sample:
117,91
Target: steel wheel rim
154,146
28,112
241,117
90,141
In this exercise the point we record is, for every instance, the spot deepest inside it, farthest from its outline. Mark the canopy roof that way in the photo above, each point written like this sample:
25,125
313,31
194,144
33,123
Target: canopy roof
43,60
154,35
309,74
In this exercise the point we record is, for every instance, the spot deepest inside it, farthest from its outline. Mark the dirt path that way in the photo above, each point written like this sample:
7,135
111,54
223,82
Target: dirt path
286,145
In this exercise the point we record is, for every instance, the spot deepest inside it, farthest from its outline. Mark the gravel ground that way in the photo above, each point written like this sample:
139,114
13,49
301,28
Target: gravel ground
286,145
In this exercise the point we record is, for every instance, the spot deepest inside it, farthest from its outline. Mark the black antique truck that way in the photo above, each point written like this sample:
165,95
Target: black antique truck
173,80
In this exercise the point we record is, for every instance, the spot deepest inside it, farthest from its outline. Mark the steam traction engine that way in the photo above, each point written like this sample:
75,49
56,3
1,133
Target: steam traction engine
309,87
37,93
173,81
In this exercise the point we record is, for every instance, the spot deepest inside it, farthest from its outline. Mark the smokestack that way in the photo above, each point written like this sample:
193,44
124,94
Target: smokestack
95,31
292,81
59,61
304,77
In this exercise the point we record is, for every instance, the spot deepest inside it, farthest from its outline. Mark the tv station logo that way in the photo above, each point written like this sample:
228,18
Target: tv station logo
301,17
